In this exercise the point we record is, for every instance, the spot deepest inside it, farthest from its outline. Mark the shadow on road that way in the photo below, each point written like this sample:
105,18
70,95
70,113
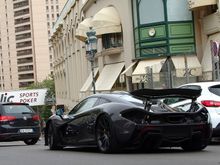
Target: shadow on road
15,144
173,150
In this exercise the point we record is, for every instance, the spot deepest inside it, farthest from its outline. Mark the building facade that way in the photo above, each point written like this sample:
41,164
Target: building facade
164,44
206,20
153,43
72,71
24,46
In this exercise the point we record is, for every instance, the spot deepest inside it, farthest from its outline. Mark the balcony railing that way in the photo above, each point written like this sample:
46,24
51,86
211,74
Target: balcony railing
25,60
24,52
199,3
23,36
25,68
21,12
25,76
22,28
22,20
21,4
23,44
25,84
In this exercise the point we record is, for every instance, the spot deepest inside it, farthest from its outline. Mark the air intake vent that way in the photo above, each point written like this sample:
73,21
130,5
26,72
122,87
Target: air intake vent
160,50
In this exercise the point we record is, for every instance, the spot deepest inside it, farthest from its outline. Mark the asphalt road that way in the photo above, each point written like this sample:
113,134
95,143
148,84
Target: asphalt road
17,153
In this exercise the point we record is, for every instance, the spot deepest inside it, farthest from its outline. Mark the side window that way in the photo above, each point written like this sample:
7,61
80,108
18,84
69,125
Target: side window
102,101
85,105
215,89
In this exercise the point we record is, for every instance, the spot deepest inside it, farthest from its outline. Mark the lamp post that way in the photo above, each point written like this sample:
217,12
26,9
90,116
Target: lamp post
91,49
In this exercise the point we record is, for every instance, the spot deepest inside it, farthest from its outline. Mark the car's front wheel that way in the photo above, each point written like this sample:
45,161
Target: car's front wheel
105,136
31,141
52,139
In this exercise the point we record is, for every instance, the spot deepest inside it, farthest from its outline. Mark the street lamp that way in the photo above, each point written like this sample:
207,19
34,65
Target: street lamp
91,49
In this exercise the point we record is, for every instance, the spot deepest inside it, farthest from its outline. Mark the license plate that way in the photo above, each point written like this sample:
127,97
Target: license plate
26,130
176,131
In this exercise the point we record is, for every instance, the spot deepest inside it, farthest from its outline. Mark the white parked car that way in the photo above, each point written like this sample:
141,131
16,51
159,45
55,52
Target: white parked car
210,98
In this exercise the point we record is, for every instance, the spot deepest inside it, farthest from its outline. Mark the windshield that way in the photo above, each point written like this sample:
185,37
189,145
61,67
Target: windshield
16,109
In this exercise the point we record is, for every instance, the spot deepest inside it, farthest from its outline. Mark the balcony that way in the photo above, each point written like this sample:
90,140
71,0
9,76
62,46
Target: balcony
26,76
22,20
21,4
23,36
26,83
23,44
194,4
22,28
25,60
21,12
26,69
24,52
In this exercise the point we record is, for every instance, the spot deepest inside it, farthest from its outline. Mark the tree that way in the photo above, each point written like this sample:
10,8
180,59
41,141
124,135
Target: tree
48,83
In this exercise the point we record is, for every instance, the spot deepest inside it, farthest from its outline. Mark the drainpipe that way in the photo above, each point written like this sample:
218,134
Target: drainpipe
186,69
218,4
169,74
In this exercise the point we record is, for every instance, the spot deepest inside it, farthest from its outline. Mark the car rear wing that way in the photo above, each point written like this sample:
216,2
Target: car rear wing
152,94
163,93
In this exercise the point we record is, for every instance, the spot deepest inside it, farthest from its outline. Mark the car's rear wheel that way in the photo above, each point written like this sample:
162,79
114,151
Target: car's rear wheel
105,135
52,139
31,141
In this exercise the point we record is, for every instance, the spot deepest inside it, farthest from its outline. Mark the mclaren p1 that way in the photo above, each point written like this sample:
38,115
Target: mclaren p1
138,120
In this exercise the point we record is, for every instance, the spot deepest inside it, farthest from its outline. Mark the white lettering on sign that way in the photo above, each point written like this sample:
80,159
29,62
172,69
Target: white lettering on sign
32,97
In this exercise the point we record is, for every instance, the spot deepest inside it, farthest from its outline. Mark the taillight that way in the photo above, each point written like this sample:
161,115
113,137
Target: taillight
7,118
36,117
210,103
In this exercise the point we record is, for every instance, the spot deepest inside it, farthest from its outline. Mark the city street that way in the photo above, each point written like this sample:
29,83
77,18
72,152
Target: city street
17,153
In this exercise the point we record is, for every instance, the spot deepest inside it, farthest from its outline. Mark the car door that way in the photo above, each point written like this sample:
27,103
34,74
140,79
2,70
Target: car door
77,129
91,120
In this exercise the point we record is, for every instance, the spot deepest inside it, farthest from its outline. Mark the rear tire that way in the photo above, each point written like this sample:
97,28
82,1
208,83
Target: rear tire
52,139
31,141
105,135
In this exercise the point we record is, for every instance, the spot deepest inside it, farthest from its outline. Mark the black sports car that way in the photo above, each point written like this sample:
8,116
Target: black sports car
138,119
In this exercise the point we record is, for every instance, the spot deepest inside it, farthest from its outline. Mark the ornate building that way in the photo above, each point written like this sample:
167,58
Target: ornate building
153,43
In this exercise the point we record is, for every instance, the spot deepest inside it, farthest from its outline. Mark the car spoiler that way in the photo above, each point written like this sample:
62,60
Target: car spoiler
162,93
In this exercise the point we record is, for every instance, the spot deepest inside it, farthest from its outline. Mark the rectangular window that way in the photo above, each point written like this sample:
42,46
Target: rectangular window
151,11
111,40
178,10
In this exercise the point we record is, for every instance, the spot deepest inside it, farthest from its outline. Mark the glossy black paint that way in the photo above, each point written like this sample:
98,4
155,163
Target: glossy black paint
131,125
20,118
